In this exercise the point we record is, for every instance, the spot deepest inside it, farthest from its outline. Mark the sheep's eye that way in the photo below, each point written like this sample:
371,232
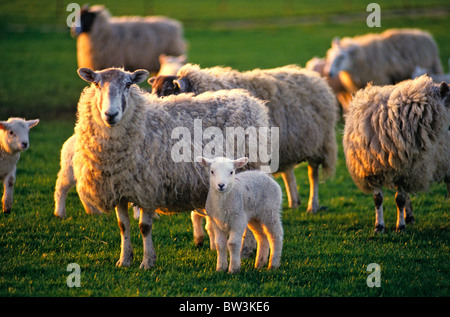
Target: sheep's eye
11,132
231,173
97,84
212,172
128,85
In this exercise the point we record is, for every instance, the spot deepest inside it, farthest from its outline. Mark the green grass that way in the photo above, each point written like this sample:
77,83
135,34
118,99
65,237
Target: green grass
323,255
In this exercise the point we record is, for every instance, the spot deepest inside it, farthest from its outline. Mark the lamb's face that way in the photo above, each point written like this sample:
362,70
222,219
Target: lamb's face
113,90
169,85
222,171
14,134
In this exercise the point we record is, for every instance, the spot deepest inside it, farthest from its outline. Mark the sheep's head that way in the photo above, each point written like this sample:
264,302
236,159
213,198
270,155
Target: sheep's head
14,134
222,171
170,85
113,88
339,58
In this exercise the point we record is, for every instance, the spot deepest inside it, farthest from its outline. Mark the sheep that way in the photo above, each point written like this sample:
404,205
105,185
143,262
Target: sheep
66,180
13,141
170,64
130,42
383,59
396,136
437,78
126,148
234,201
300,103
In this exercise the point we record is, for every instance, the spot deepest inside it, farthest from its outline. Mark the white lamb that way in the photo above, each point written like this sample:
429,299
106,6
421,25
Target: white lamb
234,201
13,140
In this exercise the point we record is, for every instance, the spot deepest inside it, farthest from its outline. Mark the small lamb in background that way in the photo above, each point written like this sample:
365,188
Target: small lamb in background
13,140
170,64
250,198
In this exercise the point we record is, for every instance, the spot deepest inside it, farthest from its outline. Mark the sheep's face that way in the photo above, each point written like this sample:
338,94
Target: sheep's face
222,171
14,134
113,90
338,59
169,85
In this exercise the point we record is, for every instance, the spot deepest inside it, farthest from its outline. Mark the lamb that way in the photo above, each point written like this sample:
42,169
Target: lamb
131,42
300,103
383,59
13,140
125,148
397,137
234,201
170,64
66,180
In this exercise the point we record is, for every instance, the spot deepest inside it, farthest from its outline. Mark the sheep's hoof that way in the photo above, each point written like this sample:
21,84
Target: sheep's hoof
145,265
379,229
409,219
6,211
198,241
125,262
234,270
401,228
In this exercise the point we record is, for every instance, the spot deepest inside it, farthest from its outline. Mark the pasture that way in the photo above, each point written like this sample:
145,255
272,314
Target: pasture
326,254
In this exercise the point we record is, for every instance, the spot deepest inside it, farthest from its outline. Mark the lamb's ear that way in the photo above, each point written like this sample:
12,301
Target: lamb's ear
443,90
151,80
182,83
3,125
203,161
240,162
87,74
139,76
32,123
335,41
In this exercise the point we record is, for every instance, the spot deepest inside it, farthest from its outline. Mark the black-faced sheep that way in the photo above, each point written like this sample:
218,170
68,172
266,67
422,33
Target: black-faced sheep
125,141
397,137
130,42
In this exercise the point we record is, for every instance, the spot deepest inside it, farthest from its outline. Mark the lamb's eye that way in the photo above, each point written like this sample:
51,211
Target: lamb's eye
231,173
128,85
212,172
11,132
97,84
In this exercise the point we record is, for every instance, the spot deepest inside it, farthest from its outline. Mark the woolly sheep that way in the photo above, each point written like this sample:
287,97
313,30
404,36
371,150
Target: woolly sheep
397,137
170,64
123,148
383,59
300,103
13,140
131,42
234,201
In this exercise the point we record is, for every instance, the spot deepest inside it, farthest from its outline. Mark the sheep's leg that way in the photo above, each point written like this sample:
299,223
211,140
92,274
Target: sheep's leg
145,226
210,229
409,217
234,245
274,231
8,189
291,188
378,200
126,250
313,175
400,200
220,238
199,233
248,244
63,184
262,252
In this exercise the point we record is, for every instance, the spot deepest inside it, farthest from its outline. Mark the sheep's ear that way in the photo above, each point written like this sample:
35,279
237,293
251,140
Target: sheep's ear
151,80
139,76
3,125
240,162
443,90
203,161
182,83
32,123
336,40
87,74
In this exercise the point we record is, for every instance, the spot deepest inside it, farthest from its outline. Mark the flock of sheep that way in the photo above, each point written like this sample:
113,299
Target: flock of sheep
396,131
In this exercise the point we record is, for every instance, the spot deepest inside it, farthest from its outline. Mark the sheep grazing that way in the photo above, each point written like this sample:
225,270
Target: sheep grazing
126,148
397,137
250,198
170,64
13,140
66,180
300,103
130,42
383,59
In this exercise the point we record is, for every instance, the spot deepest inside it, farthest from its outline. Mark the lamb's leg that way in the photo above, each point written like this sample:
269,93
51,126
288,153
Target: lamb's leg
126,250
210,229
145,226
220,238
400,200
248,244
409,217
291,188
234,247
64,183
8,189
262,252
378,200
274,231
313,175
199,233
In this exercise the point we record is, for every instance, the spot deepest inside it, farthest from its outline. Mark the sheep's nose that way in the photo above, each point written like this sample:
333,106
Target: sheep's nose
111,117
24,145
221,186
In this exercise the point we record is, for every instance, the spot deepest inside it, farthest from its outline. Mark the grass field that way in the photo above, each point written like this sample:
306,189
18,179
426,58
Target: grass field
323,255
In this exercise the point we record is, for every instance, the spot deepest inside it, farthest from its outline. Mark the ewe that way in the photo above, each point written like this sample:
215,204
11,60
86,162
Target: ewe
13,140
234,201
